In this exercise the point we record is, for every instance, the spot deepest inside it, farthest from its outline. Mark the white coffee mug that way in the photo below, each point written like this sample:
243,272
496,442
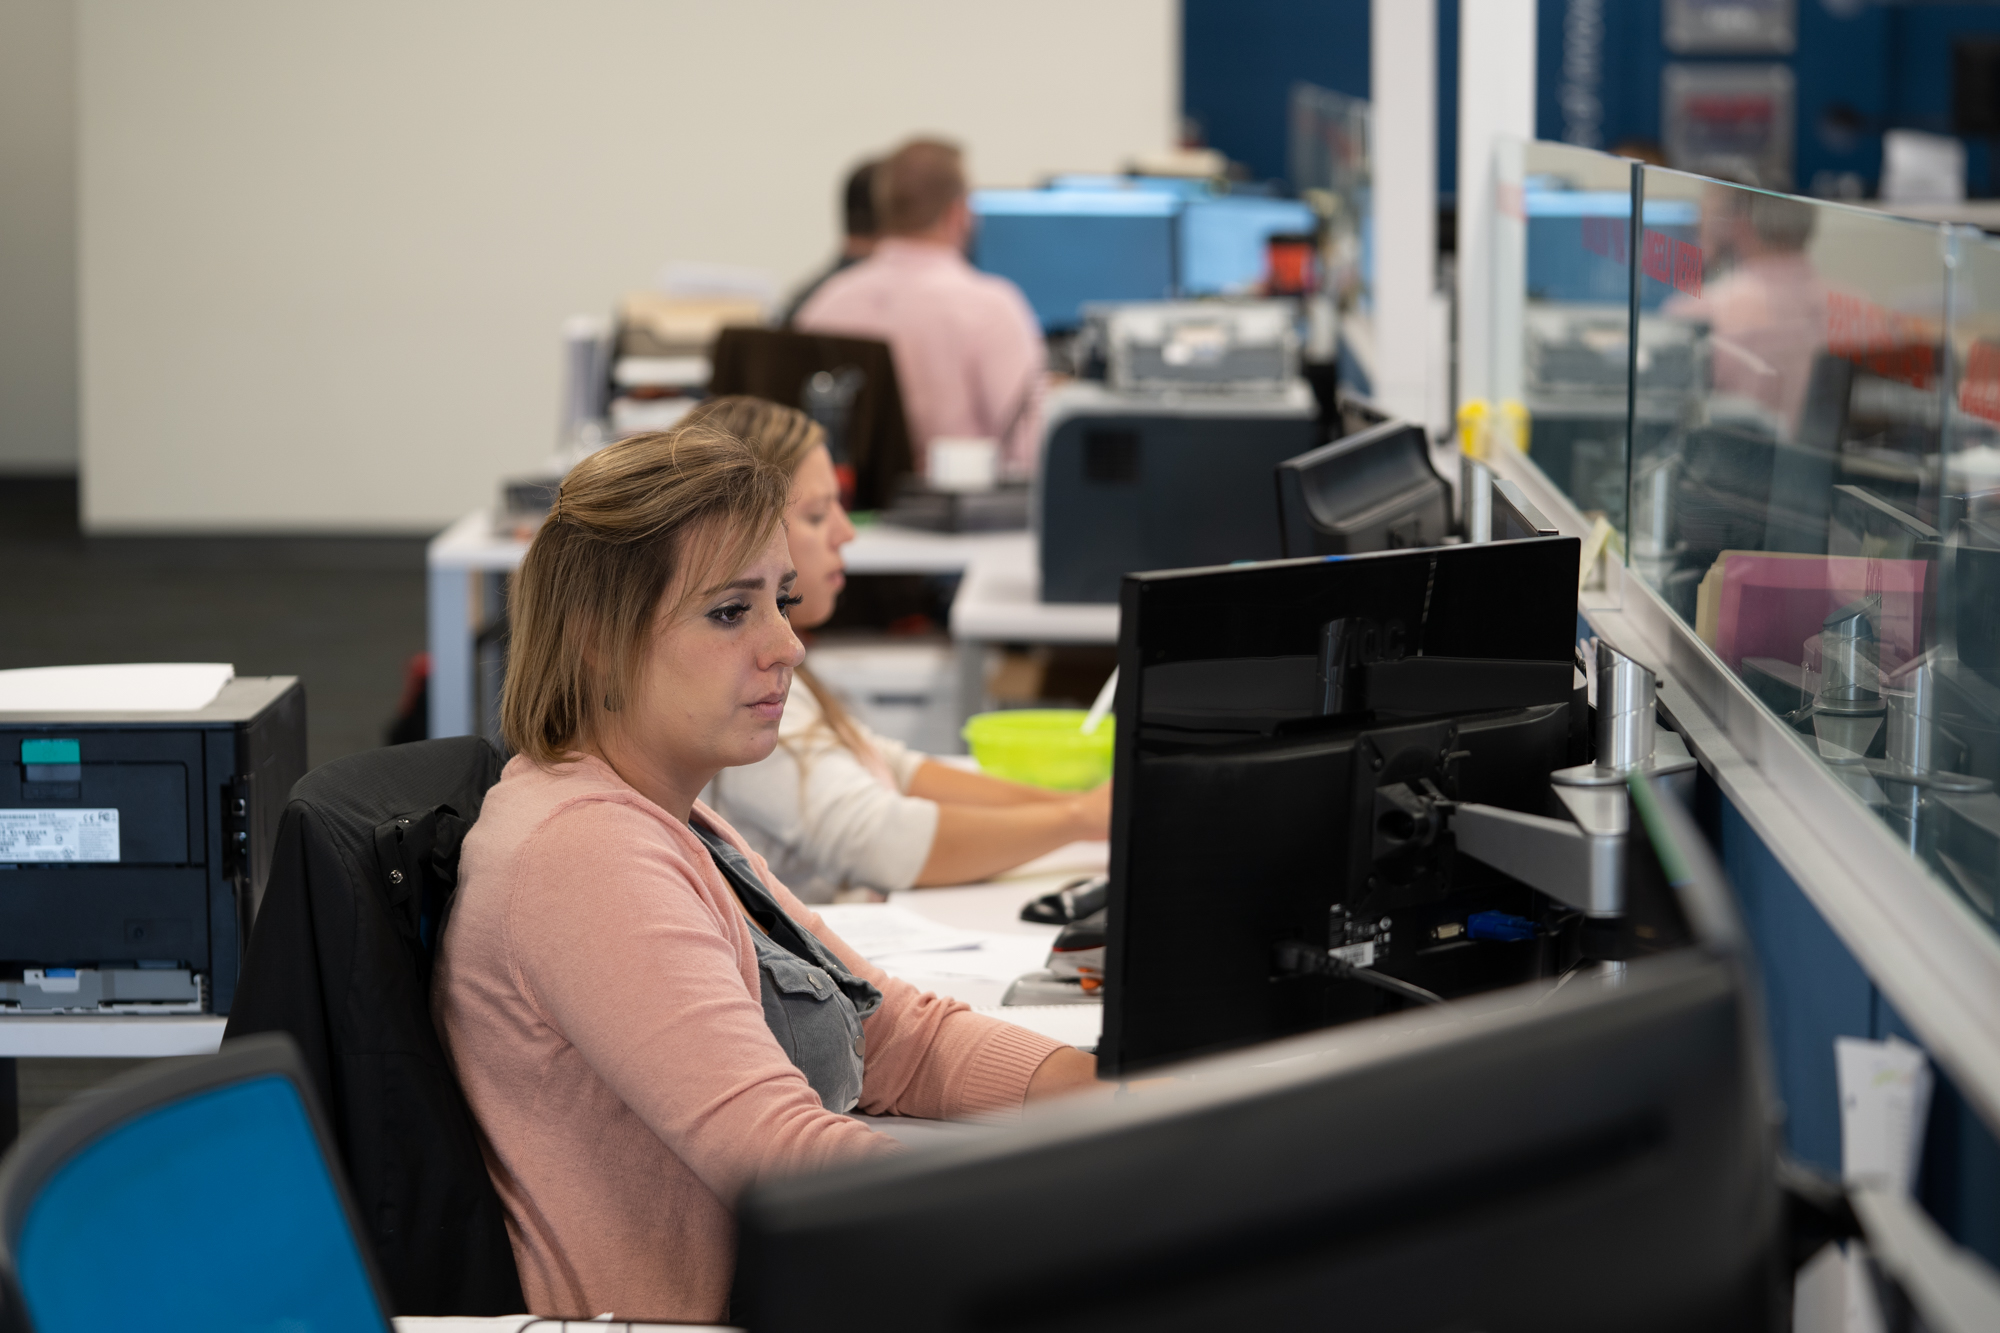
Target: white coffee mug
963,464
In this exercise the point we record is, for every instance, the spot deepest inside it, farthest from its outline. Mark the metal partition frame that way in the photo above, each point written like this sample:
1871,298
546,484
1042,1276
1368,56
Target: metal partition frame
1929,952
1934,959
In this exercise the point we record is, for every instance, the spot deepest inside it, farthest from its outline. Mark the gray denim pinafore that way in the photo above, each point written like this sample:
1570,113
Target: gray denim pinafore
812,1004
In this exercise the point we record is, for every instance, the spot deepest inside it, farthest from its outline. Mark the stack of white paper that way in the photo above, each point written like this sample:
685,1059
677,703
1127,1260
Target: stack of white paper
877,930
973,965
132,687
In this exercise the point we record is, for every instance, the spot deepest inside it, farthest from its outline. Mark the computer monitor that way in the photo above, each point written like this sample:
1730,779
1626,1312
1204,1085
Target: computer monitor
1262,712
1599,1157
1179,187
1066,248
1223,241
1372,491
1514,517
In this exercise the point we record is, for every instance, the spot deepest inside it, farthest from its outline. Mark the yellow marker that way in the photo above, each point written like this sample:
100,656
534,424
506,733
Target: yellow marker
1472,427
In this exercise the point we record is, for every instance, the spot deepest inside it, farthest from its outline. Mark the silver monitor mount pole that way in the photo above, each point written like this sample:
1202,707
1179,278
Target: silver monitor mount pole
1580,860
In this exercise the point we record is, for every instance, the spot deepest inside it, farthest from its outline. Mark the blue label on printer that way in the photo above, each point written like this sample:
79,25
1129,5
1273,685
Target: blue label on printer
51,752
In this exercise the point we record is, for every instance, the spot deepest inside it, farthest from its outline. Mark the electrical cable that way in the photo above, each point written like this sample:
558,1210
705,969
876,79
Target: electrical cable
1306,959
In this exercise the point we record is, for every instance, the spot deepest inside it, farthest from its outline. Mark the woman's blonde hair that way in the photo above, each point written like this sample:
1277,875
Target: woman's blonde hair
783,437
693,504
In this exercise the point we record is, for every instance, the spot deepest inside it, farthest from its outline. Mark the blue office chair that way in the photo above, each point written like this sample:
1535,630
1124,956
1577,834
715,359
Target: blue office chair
187,1195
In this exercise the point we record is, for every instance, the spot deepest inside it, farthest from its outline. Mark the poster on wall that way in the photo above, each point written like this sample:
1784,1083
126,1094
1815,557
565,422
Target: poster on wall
1732,121
1730,27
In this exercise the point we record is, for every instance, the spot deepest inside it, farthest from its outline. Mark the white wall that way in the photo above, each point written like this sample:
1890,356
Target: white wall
37,236
326,248
1496,100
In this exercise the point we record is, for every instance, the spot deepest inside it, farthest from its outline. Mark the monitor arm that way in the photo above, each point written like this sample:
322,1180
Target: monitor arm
1579,860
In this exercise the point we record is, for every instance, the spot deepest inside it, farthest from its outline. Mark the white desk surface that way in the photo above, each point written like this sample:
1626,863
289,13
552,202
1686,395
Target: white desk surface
471,544
115,1035
1000,602
995,906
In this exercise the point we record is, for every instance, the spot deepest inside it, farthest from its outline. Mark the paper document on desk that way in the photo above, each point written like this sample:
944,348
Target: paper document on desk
992,957
877,930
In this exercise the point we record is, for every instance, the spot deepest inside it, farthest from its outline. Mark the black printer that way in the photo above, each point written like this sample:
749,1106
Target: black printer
134,847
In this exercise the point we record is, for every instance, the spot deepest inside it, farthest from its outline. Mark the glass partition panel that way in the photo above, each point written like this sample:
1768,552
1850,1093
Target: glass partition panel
1562,276
1945,716
1790,487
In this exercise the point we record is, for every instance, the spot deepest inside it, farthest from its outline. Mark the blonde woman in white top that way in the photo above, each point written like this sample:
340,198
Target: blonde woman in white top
835,805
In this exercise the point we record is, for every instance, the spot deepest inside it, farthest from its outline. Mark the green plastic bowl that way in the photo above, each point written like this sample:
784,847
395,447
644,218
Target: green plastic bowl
1041,746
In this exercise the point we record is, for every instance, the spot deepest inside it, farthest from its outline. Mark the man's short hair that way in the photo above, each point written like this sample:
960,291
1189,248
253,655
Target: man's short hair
916,185
859,201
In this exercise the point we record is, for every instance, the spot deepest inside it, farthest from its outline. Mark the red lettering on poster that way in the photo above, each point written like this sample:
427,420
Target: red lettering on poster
1896,347
1979,391
1655,256
1687,268
1676,263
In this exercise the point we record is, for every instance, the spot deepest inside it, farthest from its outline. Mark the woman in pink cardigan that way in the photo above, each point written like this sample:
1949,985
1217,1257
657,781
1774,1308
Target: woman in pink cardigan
643,1020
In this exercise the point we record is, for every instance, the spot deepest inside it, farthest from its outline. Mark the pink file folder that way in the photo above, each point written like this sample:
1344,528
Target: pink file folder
1769,605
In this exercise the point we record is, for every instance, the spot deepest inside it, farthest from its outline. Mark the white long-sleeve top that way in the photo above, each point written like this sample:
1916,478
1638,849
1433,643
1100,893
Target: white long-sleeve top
824,817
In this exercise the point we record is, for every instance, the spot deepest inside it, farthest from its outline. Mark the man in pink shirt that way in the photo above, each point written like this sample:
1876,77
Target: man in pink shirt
968,350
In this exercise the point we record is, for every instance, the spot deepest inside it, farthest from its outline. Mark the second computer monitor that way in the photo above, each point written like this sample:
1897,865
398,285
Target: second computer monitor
1371,491
1263,712
1067,248
1225,243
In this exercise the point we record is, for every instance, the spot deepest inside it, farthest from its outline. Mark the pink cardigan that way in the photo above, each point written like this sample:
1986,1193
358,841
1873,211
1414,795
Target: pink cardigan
597,992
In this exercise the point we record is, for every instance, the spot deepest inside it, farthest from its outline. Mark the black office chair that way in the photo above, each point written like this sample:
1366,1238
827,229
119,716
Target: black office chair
340,959
186,1195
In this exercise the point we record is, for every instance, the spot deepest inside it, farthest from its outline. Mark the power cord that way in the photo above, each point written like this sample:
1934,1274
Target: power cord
1310,960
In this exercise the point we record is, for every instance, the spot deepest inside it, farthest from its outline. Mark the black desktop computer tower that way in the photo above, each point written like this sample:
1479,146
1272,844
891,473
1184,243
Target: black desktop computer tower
134,848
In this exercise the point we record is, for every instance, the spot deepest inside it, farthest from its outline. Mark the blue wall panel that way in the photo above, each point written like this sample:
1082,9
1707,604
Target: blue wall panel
1859,70
1240,59
1959,1180
1814,991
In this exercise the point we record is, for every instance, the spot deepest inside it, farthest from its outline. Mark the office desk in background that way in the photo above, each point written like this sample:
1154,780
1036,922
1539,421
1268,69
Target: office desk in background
467,564
111,1037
